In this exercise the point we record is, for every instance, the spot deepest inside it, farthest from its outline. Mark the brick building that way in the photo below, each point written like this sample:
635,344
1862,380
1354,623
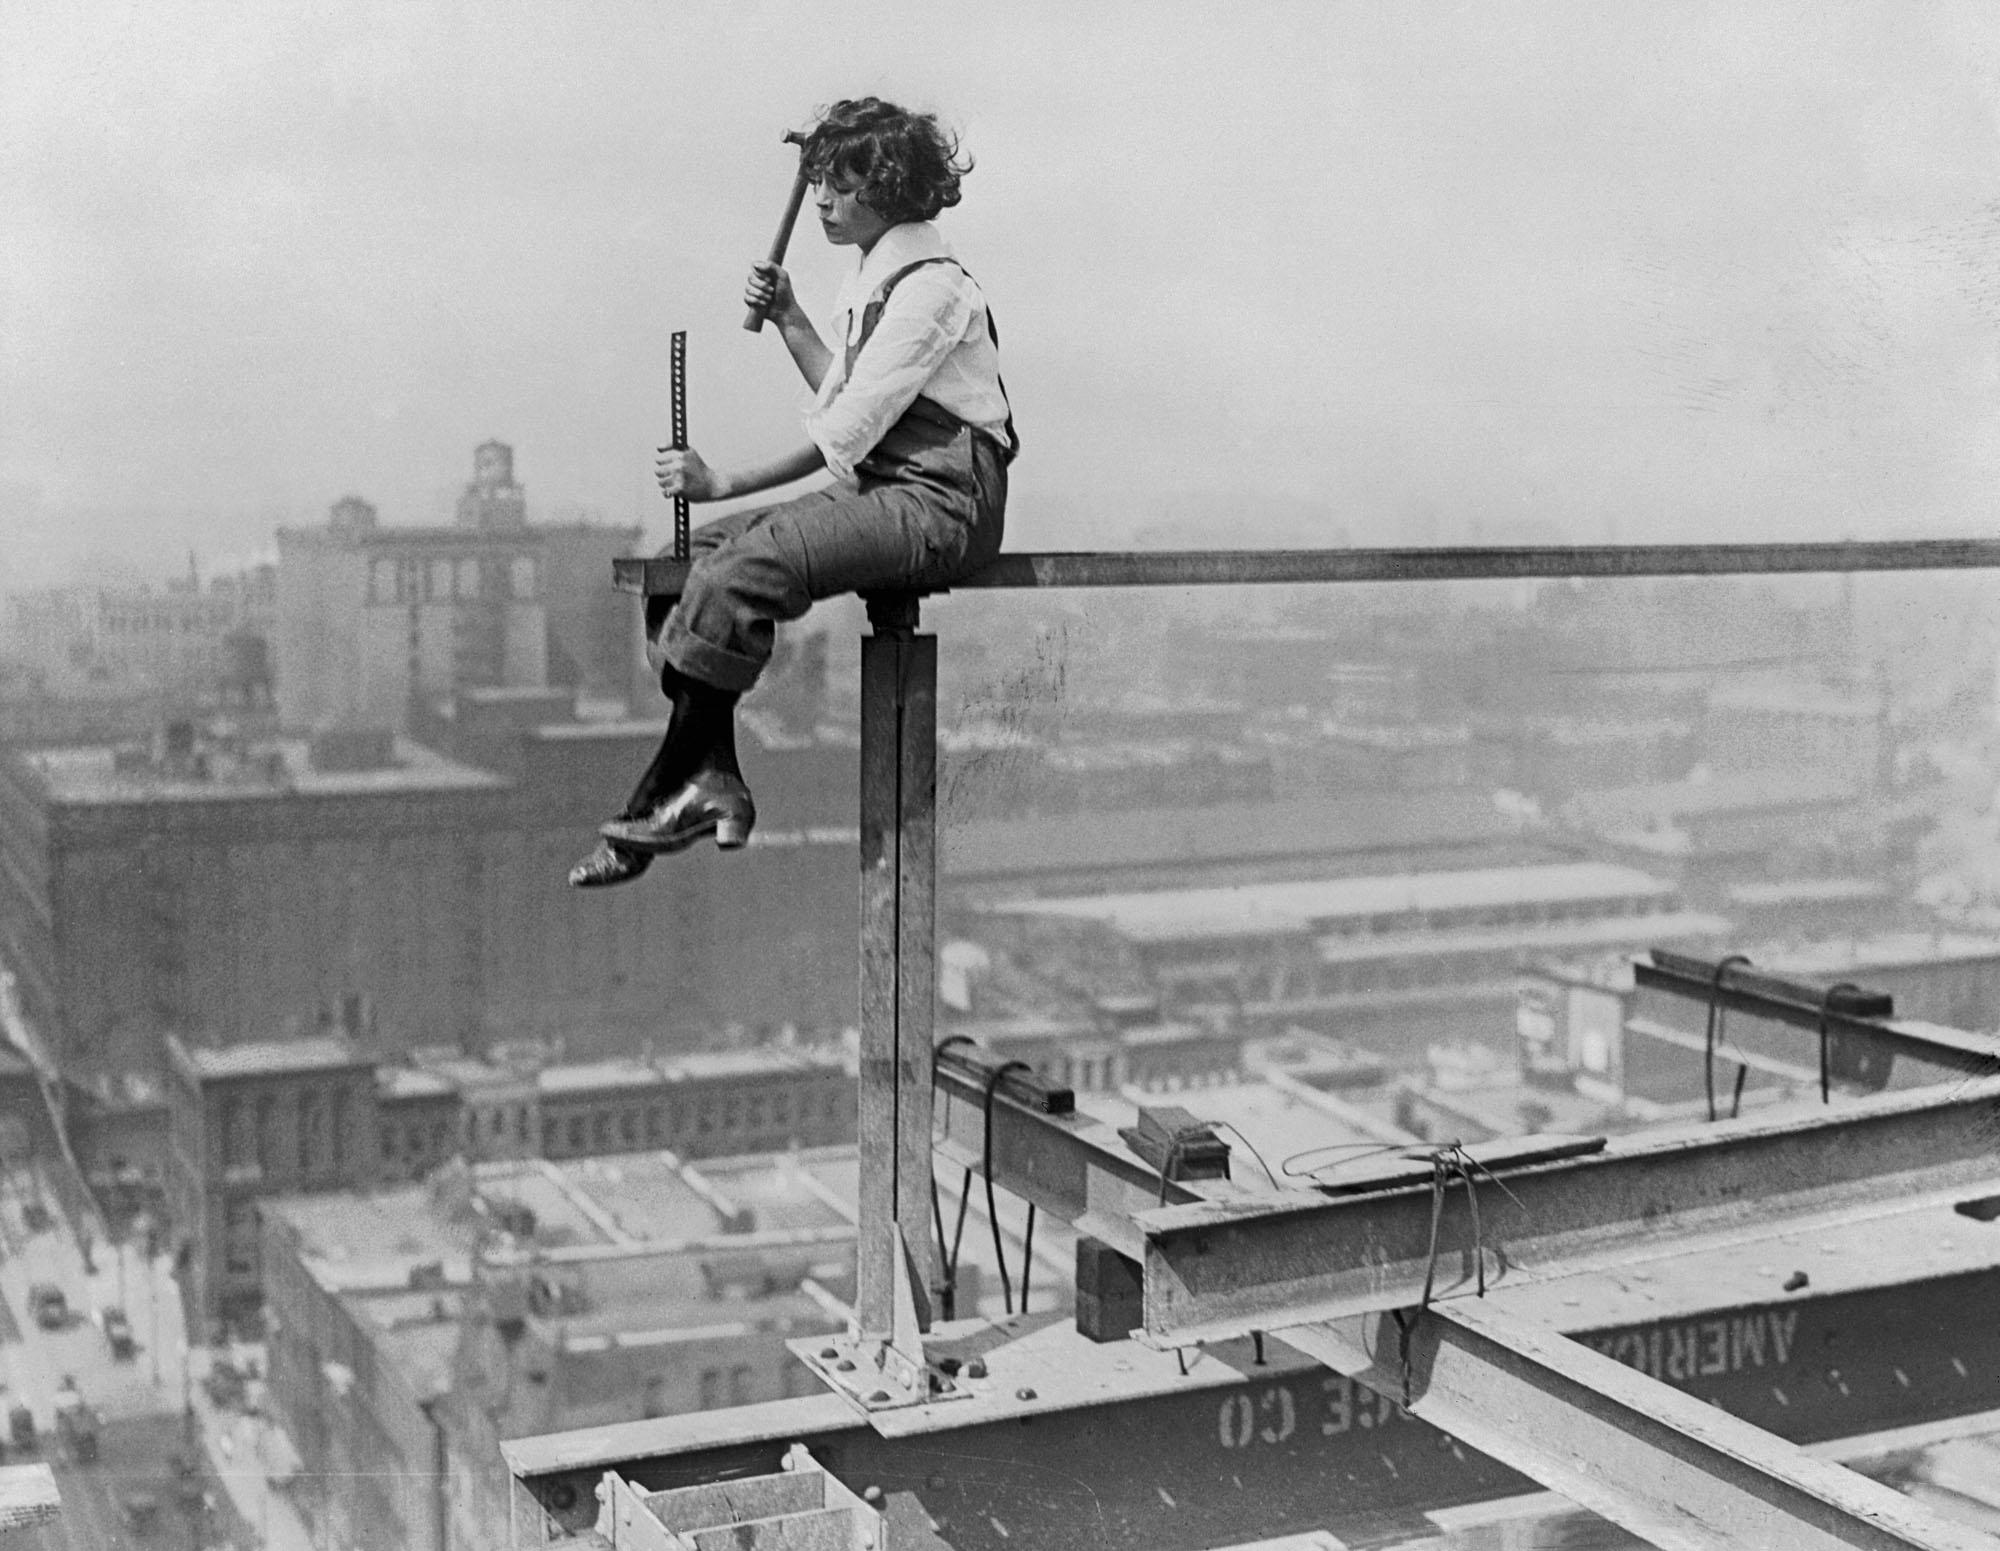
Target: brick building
317,1115
226,891
255,1121
415,1328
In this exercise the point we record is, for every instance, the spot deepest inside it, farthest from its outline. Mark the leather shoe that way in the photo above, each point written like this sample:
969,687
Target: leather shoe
712,803
606,865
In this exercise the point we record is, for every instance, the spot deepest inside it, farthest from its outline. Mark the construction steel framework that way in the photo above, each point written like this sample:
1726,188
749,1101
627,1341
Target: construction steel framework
1390,1323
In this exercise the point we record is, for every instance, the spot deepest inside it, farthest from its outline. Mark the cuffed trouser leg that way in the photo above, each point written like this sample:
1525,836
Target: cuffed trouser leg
753,570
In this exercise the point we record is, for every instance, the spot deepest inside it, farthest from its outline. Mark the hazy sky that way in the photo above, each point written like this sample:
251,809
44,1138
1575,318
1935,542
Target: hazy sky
1391,268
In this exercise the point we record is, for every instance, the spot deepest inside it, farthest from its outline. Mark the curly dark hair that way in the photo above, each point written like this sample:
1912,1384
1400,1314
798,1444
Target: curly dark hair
906,164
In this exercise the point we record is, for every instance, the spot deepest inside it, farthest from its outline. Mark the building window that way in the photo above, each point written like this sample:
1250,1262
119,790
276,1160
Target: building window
522,575
652,1123
711,1388
628,1128
238,1144
468,578
576,1136
549,1130
239,1238
440,580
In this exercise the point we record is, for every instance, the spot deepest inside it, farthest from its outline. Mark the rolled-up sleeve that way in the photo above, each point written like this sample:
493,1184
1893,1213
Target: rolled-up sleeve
926,317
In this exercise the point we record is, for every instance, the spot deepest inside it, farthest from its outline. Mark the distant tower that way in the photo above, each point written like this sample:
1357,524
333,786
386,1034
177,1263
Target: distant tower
493,501
351,516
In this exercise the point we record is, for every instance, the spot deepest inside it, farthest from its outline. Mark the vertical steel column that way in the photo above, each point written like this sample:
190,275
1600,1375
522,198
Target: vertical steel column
898,957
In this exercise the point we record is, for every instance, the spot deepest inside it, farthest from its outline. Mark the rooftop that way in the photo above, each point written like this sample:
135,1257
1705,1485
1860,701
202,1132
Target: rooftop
274,1057
1889,950
1225,832
408,1082
1799,697
633,1071
90,775
1264,909
1739,791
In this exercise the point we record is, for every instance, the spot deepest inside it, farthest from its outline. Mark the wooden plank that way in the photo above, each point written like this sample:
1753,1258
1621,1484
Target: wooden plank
881,662
1250,567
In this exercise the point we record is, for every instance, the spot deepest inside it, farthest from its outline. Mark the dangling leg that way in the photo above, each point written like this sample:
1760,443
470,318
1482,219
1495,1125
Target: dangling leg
694,786
700,732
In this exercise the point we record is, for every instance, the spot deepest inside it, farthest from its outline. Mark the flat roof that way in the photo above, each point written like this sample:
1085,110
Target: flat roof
1557,937
1733,791
1218,833
408,1082
1809,891
87,774
1889,950
1266,909
274,1057
697,1065
1796,696
359,1241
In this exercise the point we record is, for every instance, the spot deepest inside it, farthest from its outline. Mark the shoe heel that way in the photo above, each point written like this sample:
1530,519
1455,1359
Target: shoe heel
731,834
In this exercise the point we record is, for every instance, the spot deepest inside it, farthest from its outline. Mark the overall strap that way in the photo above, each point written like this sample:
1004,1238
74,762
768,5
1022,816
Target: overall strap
872,315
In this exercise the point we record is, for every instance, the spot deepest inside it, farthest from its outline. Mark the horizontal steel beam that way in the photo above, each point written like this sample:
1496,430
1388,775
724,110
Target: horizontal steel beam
1215,1269
1074,1168
1234,1451
1861,1016
1674,1470
1251,567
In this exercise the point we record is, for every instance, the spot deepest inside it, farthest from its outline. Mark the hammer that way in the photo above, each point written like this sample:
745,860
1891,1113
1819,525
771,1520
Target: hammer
754,319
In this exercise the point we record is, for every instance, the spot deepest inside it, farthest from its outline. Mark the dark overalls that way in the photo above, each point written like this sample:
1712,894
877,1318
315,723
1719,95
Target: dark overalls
924,508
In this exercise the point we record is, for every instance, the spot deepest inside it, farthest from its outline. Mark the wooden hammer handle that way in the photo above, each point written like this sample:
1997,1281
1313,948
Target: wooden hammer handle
753,320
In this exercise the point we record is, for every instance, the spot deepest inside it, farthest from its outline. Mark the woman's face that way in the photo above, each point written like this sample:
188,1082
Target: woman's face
846,221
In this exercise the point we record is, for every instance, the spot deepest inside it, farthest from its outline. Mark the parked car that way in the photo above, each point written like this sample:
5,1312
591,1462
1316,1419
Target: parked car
118,1331
48,1305
36,1218
225,1384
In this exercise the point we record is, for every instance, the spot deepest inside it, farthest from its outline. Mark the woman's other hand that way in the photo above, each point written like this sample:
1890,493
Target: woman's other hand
681,471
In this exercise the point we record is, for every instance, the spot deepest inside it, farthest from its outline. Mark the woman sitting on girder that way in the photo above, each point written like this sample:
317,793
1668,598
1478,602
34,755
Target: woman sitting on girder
908,413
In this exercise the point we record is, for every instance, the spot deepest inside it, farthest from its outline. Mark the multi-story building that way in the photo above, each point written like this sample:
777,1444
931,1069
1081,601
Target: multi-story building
1352,834
228,890
1799,724
253,1121
194,641
318,1115
374,620
1393,964
1716,829
415,1328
